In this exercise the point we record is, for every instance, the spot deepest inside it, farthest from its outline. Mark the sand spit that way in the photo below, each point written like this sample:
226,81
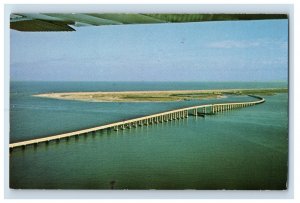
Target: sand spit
156,96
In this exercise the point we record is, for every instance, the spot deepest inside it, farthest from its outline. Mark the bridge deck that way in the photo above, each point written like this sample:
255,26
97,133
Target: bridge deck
115,124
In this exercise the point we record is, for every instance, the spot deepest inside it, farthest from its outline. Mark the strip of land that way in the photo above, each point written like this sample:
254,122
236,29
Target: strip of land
157,96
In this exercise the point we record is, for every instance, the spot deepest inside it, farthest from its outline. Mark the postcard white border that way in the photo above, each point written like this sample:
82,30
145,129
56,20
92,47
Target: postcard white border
150,194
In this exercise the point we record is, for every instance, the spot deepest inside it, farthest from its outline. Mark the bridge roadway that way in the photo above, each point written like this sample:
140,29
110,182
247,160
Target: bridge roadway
146,120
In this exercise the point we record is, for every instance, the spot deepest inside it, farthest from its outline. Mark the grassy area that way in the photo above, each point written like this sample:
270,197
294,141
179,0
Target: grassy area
259,91
159,96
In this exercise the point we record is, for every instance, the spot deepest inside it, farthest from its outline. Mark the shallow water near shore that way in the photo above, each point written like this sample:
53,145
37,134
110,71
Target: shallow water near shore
240,149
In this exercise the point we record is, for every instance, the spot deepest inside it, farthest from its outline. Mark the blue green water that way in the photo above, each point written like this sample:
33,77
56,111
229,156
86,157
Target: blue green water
240,149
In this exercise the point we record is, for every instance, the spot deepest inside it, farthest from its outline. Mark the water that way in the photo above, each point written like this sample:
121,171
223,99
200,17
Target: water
240,149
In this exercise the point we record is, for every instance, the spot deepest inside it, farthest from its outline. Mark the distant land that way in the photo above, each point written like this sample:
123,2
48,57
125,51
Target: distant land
158,96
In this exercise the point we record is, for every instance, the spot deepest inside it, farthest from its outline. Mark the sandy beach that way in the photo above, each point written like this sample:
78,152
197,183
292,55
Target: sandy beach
156,96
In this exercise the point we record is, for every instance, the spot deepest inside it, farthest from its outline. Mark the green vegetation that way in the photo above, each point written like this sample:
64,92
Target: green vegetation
159,96
258,91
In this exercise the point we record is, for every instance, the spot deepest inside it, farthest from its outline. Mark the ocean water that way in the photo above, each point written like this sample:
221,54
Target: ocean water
240,149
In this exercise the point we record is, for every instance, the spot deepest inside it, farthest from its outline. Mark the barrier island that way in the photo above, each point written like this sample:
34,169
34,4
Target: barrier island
158,96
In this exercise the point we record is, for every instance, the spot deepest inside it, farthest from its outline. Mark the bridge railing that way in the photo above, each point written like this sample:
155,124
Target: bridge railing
181,112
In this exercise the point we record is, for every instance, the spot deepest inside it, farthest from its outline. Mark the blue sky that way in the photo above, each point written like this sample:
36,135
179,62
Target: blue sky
208,51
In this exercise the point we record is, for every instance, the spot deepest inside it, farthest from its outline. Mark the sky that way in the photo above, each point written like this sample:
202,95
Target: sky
208,51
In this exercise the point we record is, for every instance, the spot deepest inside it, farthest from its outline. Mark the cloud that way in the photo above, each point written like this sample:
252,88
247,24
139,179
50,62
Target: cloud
275,61
227,44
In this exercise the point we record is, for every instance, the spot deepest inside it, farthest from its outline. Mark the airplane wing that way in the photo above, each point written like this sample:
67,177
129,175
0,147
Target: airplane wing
47,22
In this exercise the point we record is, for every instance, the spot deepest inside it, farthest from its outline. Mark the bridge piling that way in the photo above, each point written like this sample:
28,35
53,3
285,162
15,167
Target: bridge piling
156,118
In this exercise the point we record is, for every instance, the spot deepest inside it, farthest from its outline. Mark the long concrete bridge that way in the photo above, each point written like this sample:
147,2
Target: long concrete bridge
166,116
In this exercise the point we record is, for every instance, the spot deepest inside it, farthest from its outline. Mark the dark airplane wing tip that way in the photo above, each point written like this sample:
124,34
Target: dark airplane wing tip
57,22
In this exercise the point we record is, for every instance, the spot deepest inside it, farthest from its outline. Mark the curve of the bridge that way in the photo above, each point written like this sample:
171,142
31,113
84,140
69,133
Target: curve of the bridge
146,120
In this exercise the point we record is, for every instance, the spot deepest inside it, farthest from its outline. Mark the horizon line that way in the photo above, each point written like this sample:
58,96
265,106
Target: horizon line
139,81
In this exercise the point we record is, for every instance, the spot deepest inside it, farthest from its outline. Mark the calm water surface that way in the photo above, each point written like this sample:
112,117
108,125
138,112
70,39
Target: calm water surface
240,149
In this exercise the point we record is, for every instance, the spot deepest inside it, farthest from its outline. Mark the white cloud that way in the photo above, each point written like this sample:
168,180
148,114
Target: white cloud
234,44
275,61
227,44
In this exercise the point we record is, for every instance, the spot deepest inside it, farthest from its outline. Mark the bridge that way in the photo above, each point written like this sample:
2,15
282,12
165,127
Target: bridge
166,116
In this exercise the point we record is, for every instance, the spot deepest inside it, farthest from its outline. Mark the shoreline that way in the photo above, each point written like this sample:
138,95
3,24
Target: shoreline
156,96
